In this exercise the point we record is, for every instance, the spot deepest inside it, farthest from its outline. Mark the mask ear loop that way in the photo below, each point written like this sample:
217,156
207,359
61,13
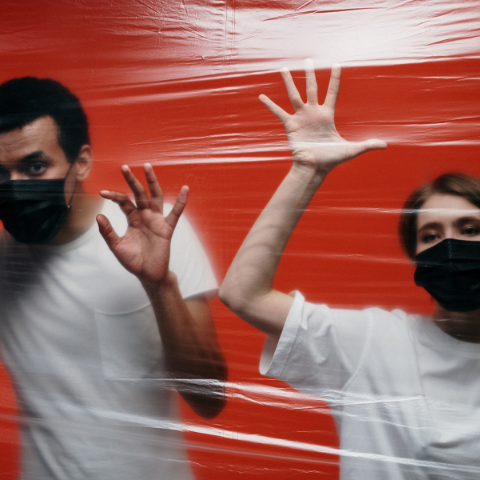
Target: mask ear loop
69,206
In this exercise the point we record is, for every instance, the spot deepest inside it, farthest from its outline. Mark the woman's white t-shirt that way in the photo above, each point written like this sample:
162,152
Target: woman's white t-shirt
405,395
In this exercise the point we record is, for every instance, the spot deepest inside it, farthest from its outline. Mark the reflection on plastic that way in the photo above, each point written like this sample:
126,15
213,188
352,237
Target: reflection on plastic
178,85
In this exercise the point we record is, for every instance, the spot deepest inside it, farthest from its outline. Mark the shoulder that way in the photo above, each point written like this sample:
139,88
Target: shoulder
372,327
379,317
11,250
391,321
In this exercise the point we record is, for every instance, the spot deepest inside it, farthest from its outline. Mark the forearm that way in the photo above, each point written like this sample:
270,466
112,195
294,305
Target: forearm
247,288
193,356
317,148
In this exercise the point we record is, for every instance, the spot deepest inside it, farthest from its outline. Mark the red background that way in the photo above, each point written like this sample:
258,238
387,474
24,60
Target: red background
177,85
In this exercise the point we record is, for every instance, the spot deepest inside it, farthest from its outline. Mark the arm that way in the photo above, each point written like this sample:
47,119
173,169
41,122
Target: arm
317,148
193,356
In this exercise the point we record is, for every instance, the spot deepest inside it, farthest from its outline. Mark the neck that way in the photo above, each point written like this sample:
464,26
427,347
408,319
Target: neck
463,326
84,209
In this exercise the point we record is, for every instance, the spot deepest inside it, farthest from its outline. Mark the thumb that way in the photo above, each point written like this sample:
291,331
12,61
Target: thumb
363,147
107,232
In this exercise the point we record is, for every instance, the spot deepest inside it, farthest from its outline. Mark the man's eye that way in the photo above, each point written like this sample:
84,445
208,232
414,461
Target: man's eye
35,168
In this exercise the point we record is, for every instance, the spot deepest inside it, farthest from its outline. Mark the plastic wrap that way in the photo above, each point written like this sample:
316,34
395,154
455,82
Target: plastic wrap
176,84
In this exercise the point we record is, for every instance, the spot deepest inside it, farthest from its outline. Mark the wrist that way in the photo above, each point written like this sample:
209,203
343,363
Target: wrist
167,283
308,173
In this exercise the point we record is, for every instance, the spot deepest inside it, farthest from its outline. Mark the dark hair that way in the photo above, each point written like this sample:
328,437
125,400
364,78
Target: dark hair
459,184
24,100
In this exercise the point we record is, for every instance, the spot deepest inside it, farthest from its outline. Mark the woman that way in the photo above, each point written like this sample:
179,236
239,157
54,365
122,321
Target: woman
404,389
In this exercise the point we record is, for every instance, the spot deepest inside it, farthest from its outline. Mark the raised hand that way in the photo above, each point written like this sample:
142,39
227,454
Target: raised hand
144,250
311,131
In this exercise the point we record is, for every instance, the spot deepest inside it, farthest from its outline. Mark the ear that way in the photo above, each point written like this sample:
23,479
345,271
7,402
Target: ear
83,163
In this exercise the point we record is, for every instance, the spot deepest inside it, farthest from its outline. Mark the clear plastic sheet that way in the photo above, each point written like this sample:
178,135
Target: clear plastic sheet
177,84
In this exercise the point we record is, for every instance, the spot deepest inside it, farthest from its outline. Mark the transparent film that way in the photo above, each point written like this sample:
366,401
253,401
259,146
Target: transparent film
240,240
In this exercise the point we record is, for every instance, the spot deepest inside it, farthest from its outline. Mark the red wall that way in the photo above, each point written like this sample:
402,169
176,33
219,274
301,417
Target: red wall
177,84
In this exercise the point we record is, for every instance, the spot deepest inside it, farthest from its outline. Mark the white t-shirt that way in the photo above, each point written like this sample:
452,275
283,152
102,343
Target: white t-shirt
405,395
79,338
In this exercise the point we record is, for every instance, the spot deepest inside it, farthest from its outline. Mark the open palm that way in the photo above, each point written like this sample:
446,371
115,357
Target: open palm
311,131
144,250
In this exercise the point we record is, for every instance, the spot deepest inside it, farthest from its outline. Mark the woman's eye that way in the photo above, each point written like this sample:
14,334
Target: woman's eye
471,231
431,237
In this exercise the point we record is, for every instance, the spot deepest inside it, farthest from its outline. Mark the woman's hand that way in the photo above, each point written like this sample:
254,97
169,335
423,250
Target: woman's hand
311,132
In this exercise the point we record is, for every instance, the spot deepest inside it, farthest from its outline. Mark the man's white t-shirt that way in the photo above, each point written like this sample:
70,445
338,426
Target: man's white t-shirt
405,395
80,340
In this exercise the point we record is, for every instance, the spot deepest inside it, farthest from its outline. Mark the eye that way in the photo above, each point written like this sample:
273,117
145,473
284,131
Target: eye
470,231
35,168
431,237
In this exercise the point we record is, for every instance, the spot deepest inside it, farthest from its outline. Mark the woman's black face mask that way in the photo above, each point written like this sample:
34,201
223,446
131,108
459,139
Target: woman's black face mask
34,211
450,272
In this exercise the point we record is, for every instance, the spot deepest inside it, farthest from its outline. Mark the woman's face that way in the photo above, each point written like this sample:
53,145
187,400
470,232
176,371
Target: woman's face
446,216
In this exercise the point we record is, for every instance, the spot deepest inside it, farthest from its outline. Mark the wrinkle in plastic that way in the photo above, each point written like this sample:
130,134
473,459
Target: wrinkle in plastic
177,85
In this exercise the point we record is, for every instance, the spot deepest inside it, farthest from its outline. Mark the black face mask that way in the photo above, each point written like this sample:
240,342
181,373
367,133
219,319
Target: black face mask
450,273
33,211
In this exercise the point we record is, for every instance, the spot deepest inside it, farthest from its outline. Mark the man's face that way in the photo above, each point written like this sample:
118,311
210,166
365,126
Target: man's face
33,152
446,216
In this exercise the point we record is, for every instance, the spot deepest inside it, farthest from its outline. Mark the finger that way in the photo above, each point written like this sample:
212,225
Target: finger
107,232
292,91
367,146
279,112
174,215
122,200
140,194
156,195
312,94
333,87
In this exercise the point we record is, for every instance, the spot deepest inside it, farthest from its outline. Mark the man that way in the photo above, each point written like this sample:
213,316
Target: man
96,346
403,388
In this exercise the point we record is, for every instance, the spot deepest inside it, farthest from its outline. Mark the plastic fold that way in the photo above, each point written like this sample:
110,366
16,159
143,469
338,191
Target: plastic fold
362,382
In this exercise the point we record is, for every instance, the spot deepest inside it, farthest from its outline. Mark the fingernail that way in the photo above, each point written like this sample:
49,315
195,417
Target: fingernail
104,192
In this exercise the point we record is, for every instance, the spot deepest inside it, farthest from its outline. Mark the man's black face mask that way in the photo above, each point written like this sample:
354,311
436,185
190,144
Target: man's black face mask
33,211
450,273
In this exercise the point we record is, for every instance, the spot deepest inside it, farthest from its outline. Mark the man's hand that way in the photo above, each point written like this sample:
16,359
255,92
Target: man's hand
145,248
192,355
311,132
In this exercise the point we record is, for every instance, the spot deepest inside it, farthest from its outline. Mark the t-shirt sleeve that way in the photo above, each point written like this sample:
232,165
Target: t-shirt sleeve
189,261
320,349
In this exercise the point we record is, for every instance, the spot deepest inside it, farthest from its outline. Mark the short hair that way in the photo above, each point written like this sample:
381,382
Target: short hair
24,100
454,183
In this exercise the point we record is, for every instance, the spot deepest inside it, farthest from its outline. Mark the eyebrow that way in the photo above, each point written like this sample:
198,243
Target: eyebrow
39,154
438,225
432,225
467,219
